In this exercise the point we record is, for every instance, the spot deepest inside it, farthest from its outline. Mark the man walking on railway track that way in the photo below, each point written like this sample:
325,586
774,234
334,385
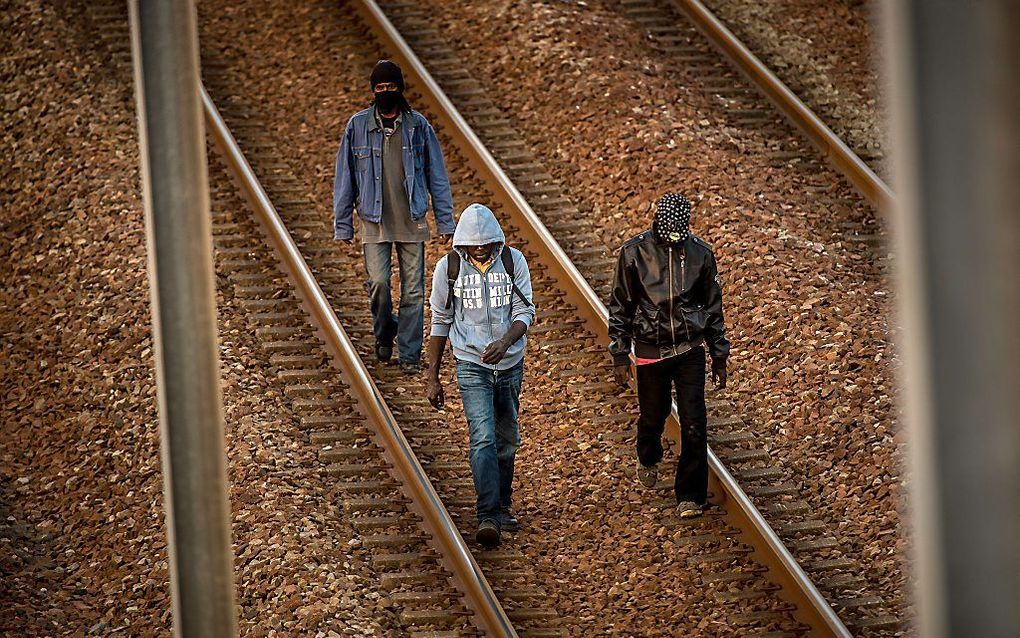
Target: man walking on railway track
481,302
388,166
666,307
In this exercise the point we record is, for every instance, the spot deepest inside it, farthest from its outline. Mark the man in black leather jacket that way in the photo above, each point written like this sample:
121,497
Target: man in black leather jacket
666,308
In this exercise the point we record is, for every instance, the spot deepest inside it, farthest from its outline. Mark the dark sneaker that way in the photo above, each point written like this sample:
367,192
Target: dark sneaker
410,369
487,534
383,352
508,521
648,474
689,509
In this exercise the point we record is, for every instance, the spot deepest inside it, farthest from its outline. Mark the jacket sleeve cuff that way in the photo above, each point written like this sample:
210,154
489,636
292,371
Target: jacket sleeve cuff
440,330
622,359
525,317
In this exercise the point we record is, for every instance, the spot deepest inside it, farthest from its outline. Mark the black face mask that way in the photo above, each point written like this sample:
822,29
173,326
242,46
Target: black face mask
387,101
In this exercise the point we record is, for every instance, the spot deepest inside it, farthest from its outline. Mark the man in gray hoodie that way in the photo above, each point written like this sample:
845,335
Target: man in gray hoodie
481,302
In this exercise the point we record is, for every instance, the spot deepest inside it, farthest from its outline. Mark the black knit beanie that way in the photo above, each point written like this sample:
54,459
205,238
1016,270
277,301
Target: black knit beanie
386,71
672,219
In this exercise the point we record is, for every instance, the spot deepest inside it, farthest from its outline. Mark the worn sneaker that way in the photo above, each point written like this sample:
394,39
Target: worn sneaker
648,474
689,509
508,521
383,352
487,534
410,369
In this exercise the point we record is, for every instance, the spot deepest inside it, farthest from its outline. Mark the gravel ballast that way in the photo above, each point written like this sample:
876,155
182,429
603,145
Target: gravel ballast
617,127
828,53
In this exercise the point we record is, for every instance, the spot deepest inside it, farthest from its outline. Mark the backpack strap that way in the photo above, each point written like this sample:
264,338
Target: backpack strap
452,272
508,265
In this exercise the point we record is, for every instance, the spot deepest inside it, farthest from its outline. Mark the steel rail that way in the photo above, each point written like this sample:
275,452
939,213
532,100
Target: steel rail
818,133
489,614
768,549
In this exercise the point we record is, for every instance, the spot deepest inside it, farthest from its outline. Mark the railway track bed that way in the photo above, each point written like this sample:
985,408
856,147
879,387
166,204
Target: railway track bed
561,575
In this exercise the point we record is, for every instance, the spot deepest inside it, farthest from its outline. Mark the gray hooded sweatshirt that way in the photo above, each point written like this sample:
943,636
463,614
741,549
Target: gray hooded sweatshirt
484,305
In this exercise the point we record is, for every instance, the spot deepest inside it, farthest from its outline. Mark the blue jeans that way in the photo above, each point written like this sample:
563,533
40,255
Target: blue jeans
408,326
491,399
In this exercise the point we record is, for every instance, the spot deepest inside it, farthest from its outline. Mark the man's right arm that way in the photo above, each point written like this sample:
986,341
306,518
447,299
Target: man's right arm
621,312
345,189
442,320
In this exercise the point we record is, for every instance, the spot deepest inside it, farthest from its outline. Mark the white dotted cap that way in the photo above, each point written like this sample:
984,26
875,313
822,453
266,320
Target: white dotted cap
672,219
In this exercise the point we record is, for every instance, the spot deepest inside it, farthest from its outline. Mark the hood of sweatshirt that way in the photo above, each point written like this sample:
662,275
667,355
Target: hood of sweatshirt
477,227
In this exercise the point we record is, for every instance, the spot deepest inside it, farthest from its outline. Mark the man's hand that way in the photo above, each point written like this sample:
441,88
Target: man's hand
495,351
621,373
446,240
435,393
719,373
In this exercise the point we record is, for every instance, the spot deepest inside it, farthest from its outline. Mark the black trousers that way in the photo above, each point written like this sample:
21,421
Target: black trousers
655,383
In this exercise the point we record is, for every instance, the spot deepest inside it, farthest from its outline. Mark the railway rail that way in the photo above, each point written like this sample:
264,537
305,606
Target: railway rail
835,150
736,560
579,234
741,99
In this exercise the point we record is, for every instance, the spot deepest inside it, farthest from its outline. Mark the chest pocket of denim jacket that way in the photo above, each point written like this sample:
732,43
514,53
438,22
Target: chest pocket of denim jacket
362,158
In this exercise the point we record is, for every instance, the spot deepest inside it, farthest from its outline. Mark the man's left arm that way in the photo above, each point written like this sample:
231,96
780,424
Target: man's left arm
438,183
715,325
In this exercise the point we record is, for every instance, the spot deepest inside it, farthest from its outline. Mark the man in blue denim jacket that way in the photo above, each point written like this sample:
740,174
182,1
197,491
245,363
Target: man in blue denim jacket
388,166
482,304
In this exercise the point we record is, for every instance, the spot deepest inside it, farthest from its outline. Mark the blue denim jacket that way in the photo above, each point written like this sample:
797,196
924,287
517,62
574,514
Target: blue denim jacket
358,179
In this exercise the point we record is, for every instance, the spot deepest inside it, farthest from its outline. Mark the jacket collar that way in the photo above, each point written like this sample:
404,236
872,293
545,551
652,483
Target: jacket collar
656,241
376,120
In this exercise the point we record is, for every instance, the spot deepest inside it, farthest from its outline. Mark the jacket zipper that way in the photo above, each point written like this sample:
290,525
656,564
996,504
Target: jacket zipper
683,285
672,333
485,300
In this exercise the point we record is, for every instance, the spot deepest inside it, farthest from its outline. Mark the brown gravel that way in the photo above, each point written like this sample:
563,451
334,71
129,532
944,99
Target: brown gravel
617,125
612,558
820,390
827,52
82,543
80,464
87,524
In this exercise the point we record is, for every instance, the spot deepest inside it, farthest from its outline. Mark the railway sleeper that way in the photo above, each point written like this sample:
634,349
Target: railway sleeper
847,580
404,559
754,593
340,454
732,576
431,616
374,486
735,553
412,577
310,389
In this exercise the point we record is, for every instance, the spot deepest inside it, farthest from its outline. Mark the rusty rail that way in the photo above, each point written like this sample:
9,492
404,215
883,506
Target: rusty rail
812,608
835,150
454,553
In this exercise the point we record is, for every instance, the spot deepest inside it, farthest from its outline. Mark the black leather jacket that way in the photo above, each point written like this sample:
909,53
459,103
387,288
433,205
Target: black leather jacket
664,298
